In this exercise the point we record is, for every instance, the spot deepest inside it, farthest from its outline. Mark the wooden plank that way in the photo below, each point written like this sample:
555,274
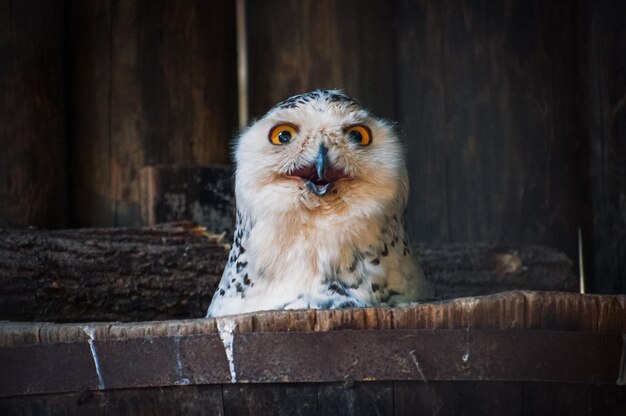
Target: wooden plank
188,400
608,400
53,368
606,107
270,399
487,102
504,311
459,398
32,114
321,44
437,355
100,362
89,52
163,74
557,399
355,398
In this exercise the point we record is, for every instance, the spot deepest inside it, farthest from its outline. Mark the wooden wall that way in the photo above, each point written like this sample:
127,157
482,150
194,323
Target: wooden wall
152,83
513,112
606,116
322,44
33,186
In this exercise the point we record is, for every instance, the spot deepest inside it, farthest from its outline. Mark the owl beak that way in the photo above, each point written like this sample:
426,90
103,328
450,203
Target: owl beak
319,176
321,162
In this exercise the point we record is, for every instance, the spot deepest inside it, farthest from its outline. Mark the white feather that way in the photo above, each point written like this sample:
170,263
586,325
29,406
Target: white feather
300,250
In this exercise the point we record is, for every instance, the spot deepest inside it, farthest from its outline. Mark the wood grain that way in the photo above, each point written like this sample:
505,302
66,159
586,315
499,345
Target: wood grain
514,311
469,398
155,87
33,188
153,353
350,398
106,274
204,195
297,46
606,104
410,398
270,399
488,107
191,400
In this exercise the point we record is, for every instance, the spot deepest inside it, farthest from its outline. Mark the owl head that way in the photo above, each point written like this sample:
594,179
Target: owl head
316,153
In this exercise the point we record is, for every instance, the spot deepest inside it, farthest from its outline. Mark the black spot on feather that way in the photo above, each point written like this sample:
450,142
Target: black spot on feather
241,265
337,288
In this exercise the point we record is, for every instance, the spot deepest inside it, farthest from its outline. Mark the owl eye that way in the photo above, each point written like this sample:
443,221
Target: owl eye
359,134
282,133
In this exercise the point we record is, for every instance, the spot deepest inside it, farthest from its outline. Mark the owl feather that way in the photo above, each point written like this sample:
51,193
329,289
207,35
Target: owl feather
321,188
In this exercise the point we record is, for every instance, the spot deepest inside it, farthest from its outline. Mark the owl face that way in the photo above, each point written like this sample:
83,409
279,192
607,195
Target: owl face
320,151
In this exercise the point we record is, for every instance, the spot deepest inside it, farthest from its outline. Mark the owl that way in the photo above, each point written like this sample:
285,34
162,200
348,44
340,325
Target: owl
321,188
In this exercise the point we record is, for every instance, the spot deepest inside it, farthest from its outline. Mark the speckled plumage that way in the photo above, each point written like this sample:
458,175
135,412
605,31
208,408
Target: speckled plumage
333,240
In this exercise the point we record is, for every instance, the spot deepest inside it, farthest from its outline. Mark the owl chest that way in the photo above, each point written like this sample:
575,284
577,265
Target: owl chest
310,251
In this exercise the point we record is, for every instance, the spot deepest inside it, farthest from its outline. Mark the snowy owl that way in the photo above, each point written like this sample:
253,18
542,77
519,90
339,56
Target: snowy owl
321,188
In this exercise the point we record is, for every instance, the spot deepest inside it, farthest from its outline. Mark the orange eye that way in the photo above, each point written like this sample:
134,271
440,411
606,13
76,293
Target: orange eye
283,133
359,134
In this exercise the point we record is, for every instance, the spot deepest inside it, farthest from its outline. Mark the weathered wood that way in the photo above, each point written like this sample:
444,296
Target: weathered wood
551,399
190,400
89,112
606,106
321,44
355,398
270,399
33,189
451,399
204,195
487,100
144,274
453,344
609,400
297,357
152,83
478,269
108,274
593,314
410,398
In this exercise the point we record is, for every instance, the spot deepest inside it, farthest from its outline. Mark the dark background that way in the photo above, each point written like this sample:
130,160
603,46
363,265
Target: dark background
513,112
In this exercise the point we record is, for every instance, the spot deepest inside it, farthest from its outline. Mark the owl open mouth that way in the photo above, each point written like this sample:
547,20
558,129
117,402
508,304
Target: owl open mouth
319,176
318,184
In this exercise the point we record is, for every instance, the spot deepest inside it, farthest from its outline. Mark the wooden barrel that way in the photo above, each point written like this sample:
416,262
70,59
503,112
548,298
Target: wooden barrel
508,353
